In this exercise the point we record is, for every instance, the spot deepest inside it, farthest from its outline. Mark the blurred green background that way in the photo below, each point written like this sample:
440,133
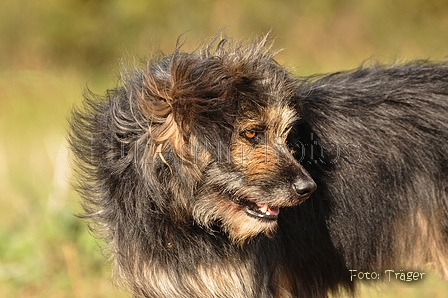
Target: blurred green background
51,49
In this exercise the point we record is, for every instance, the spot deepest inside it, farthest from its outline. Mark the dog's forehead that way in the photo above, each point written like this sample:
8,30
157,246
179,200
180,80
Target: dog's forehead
279,117
274,115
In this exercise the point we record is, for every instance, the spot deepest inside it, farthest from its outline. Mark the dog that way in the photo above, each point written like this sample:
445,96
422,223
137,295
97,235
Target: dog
375,140
186,173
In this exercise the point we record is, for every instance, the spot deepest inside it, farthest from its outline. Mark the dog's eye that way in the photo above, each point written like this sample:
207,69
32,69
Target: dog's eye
254,136
250,134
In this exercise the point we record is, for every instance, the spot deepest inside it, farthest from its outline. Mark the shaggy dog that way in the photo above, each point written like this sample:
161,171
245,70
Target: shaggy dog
195,172
375,140
186,174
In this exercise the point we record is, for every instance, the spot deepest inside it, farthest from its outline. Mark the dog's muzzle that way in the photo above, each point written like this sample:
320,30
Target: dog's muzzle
303,188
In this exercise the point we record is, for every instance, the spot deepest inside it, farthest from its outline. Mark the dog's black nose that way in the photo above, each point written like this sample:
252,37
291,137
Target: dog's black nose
304,187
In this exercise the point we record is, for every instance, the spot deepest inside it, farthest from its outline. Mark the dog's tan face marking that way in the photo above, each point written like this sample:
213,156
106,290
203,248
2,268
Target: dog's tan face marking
259,178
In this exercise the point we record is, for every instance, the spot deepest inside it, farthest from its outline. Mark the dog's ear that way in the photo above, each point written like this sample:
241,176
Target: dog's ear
155,101
188,99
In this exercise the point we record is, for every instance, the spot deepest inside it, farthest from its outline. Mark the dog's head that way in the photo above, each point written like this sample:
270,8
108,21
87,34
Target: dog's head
218,122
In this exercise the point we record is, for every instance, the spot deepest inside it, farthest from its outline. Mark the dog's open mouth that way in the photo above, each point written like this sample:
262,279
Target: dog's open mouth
259,210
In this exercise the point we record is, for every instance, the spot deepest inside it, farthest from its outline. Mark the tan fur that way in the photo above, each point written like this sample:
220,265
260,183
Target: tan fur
422,244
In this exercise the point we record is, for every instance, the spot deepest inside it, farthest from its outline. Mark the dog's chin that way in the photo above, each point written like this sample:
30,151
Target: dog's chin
240,221
246,223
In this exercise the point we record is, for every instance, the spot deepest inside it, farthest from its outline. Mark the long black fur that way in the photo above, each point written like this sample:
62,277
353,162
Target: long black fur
375,140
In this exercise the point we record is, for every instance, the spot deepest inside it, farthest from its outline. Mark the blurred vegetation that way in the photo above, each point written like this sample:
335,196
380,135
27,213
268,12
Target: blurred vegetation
51,49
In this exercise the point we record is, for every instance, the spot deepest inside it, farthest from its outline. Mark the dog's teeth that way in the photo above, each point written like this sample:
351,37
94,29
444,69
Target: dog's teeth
264,209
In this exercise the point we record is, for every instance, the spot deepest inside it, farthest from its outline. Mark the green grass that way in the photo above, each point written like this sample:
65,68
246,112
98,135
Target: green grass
45,251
